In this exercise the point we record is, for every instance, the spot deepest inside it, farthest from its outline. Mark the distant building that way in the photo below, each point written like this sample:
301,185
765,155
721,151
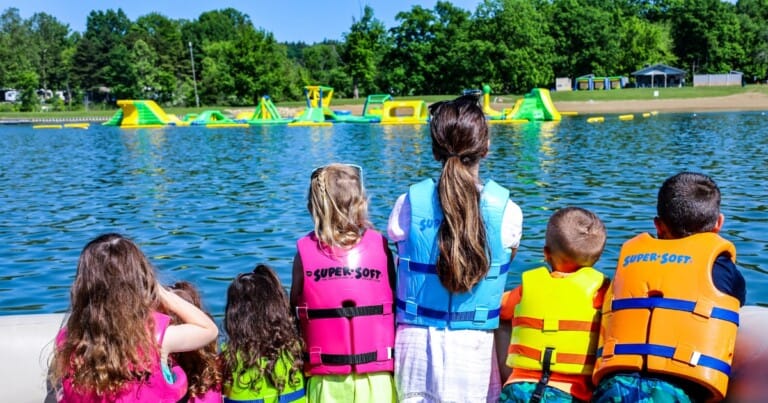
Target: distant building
591,82
9,95
659,75
563,84
712,80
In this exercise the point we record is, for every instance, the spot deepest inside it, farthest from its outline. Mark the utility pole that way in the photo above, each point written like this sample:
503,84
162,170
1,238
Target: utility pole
194,78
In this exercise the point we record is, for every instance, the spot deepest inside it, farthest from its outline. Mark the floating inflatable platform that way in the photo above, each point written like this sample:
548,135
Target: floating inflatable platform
141,113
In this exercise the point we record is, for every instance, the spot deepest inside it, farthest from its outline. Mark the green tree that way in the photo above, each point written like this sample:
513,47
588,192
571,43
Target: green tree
51,39
170,56
17,50
514,46
365,44
407,65
586,40
707,35
99,63
753,15
323,65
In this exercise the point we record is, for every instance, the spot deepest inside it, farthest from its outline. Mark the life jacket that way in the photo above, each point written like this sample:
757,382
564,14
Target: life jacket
154,389
345,308
664,314
556,314
241,390
421,298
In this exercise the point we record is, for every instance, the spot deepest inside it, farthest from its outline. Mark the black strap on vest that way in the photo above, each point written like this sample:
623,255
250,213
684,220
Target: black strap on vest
347,359
538,393
345,312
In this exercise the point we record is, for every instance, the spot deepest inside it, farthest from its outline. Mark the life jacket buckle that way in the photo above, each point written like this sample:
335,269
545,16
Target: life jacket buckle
411,308
481,315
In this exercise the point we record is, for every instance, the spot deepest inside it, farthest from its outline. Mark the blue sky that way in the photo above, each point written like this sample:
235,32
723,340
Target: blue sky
289,20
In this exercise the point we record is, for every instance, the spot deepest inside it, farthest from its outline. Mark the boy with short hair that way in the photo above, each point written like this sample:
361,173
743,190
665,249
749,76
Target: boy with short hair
671,313
555,314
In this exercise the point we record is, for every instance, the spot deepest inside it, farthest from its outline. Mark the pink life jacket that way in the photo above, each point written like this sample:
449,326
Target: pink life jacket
345,308
154,389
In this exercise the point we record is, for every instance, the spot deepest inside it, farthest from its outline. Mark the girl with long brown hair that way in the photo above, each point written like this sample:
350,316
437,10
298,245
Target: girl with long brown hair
115,340
261,358
455,240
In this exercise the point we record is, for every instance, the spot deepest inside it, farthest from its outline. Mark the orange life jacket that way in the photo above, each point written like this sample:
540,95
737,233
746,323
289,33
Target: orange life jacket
663,313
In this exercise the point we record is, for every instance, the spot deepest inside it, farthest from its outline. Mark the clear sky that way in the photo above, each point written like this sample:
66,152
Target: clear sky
289,20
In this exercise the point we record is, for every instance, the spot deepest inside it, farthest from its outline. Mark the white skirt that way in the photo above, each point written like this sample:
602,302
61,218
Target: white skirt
441,365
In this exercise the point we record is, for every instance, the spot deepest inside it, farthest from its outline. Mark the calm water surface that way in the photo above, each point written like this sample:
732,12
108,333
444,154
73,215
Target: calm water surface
206,204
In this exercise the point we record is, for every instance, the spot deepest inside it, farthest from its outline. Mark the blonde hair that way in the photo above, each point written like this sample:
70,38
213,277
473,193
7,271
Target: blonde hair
577,234
338,205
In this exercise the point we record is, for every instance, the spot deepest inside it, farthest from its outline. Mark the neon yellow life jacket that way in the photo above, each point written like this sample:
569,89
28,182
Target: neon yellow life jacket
263,391
557,314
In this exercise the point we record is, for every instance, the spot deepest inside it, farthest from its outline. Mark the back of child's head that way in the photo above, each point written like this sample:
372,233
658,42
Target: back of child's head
338,204
460,140
576,235
112,299
688,203
199,365
260,328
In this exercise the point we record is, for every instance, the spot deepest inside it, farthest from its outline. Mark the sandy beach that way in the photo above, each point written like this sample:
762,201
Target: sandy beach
750,101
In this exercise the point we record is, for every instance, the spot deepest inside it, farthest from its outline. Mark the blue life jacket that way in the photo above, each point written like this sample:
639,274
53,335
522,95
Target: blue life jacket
421,298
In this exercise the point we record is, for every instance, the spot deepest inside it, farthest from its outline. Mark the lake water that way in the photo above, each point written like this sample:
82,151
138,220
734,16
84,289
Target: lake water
206,204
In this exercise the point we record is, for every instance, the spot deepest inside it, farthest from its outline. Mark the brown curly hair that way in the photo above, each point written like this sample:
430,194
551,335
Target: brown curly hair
260,330
201,365
110,322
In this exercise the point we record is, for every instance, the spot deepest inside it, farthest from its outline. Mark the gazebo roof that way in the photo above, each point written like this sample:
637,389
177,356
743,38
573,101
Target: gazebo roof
659,69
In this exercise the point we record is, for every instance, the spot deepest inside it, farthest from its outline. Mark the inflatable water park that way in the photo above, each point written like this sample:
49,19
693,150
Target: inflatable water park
378,109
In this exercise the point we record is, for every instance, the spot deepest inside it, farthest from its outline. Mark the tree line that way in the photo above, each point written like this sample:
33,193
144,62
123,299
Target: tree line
512,45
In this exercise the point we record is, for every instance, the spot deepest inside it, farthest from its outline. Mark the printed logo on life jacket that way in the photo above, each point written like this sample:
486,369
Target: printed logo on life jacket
425,223
655,257
334,273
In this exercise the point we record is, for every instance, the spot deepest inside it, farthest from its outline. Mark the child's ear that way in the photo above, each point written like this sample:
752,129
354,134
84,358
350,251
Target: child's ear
661,229
720,222
547,254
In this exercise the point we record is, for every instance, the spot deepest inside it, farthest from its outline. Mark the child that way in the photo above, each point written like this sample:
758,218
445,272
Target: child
115,340
670,316
555,314
455,240
343,277
261,360
200,366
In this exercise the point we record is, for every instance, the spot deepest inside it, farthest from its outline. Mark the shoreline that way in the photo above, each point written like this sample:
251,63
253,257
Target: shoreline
746,102
741,102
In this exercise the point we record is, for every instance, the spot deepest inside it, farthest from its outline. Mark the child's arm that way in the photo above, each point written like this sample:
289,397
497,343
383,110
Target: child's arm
501,336
297,282
198,329
392,274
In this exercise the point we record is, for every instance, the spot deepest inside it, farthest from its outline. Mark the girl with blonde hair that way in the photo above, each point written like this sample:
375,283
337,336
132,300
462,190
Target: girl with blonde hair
342,292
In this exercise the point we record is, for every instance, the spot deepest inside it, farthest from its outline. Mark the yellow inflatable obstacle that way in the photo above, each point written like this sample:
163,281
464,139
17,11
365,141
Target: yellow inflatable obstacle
404,113
141,113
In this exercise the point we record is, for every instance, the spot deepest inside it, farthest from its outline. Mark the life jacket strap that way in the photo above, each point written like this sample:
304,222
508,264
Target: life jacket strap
283,398
343,312
701,308
541,386
480,314
316,357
